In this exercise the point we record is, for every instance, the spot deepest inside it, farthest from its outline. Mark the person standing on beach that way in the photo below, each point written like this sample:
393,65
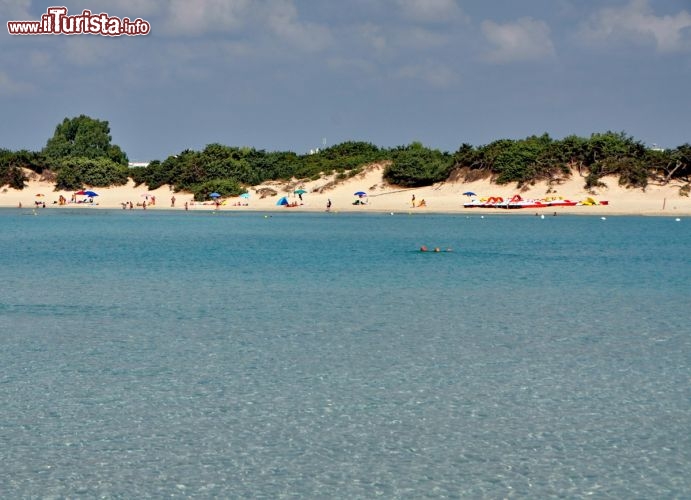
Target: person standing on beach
172,201
328,205
412,202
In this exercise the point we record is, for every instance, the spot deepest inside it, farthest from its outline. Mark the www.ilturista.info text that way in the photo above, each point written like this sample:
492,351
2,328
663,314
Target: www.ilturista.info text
56,21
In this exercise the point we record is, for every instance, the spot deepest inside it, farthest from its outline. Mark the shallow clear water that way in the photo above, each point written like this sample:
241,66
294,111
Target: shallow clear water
320,355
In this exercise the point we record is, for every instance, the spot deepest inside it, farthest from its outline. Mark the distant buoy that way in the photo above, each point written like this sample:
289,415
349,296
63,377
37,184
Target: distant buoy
677,219
482,216
391,213
603,218
542,216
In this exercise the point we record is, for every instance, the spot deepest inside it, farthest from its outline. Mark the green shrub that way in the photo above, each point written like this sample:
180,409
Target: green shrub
416,165
224,187
75,173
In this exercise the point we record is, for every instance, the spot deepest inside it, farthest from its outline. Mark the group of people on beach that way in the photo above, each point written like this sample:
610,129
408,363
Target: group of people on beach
422,203
129,205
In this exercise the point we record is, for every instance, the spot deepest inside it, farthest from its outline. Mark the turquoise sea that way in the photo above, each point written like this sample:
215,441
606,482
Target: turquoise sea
199,355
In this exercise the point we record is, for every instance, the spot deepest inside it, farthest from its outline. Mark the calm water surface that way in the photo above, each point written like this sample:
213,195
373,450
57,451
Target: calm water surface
149,354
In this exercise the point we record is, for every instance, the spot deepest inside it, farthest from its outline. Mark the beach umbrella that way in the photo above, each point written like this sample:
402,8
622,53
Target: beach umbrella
299,191
81,192
215,195
245,195
360,194
469,193
90,193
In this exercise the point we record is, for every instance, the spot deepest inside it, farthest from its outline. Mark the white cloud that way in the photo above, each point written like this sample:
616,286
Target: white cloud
382,42
10,87
526,39
15,10
203,16
636,22
40,59
283,21
430,10
121,8
252,19
352,65
433,74
373,36
88,50
235,49
420,38
181,17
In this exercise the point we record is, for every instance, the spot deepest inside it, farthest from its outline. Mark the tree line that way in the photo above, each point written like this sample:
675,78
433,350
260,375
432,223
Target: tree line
81,153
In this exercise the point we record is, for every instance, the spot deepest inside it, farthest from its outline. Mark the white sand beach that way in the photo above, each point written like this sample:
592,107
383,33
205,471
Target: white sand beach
444,197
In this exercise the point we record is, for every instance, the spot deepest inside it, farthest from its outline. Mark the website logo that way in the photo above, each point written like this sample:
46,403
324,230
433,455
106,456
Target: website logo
56,21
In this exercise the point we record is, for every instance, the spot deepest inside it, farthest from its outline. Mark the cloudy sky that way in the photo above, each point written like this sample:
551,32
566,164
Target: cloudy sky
289,74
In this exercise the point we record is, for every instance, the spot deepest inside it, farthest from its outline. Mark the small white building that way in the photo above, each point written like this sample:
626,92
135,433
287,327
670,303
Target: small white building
134,164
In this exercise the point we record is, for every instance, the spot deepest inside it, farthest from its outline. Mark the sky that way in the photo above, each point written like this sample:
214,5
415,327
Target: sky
296,75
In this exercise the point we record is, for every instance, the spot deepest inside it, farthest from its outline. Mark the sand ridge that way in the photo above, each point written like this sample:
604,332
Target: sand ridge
445,197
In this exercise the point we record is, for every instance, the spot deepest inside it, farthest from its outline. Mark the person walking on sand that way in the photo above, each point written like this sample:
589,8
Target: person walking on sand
413,201
328,205
172,201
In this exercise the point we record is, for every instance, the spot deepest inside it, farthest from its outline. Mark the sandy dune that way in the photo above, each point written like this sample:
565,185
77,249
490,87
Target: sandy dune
443,197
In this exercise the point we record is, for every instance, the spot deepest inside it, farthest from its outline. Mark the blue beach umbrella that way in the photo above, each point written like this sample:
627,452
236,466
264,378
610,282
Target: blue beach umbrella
245,195
215,195
91,194
282,201
360,194
469,193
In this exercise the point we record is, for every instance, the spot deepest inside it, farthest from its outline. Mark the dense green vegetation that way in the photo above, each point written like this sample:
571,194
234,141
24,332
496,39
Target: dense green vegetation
416,165
228,170
80,154
12,163
542,158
